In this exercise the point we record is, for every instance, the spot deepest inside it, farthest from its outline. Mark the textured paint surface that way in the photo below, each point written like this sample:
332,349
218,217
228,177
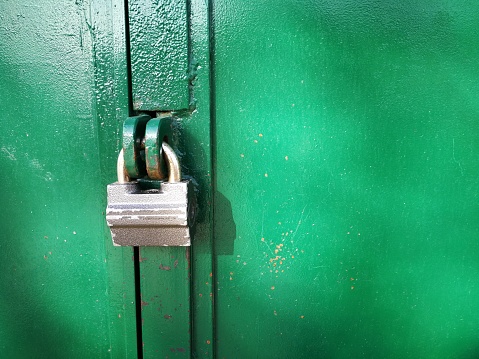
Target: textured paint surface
346,215
66,292
159,54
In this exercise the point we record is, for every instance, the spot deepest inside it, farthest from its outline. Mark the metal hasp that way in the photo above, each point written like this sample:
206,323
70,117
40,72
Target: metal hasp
147,212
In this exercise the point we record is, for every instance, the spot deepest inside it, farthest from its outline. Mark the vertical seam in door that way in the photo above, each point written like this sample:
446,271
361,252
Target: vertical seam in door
139,334
211,29
136,250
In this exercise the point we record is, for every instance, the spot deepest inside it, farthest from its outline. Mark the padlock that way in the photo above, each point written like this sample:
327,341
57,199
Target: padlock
161,216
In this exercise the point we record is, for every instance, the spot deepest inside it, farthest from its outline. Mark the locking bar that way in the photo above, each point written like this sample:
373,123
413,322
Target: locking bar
159,51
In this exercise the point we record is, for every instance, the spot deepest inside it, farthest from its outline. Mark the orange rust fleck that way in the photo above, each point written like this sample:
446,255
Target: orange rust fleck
262,239
280,262
292,256
200,295
275,251
272,288
302,316
274,264
352,287
260,135
351,278
208,342
211,274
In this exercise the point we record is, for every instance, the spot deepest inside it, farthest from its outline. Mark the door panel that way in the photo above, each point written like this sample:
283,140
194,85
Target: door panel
346,152
66,292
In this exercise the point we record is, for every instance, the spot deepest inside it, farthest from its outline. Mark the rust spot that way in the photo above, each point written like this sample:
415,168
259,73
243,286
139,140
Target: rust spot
162,267
167,316
181,350
302,316
143,304
211,274
45,257
200,295
142,259
188,256
208,342
272,288
176,263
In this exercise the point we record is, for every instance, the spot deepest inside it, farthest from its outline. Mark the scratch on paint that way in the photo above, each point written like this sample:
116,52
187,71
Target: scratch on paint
9,154
300,222
454,157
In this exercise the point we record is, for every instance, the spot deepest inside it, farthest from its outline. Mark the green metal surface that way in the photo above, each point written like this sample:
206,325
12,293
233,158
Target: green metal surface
347,141
66,292
344,141
165,298
159,54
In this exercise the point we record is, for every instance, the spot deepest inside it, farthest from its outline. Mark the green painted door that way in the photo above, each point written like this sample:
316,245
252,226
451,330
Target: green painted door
65,292
346,166
335,154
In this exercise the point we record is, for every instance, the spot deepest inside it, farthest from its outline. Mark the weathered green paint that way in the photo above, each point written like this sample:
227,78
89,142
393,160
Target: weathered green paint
347,162
66,292
159,54
345,189
165,301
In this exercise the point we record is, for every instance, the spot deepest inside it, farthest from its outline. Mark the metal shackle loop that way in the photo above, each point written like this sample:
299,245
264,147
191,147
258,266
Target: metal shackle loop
121,172
173,164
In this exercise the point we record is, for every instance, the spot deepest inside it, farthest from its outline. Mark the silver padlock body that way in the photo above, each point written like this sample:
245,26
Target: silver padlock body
151,218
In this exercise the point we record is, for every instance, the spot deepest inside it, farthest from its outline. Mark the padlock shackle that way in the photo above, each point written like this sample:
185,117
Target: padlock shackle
173,164
121,172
